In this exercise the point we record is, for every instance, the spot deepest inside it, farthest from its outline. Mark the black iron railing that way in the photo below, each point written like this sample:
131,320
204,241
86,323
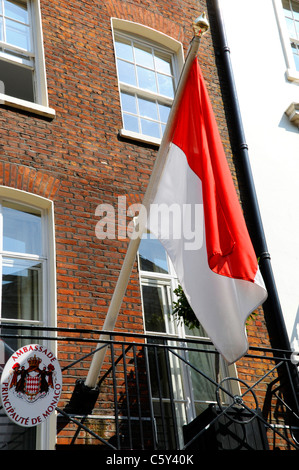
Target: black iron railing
165,393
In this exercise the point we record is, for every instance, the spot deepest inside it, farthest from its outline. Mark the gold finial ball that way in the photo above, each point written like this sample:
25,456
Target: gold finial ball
201,25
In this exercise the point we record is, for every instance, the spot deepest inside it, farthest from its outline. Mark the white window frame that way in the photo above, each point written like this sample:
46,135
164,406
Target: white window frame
155,38
41,104
291,73
46,433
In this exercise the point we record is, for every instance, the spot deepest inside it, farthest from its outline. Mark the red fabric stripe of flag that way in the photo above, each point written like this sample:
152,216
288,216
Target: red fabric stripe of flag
219,271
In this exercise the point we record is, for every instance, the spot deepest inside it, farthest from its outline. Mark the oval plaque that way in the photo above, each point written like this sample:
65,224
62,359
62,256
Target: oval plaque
31,385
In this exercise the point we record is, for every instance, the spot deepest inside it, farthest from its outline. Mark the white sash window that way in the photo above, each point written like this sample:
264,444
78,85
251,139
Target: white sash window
27,293
291,12
148,66
22,68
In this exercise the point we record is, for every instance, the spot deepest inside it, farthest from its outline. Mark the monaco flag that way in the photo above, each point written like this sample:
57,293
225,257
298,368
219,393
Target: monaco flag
197,216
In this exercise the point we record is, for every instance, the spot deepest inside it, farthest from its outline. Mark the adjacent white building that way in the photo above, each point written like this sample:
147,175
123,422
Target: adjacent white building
263,37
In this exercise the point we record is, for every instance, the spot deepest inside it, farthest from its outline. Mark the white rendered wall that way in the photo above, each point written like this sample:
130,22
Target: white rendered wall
264,91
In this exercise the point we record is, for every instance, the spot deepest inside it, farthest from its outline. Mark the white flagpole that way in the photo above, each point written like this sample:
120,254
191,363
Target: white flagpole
200,27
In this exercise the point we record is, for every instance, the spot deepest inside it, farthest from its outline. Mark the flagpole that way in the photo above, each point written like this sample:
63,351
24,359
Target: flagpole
200,26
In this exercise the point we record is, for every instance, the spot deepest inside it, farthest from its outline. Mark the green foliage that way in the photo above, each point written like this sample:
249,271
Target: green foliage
182,310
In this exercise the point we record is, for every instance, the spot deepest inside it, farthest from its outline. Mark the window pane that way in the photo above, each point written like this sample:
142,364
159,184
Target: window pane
165,425
165,84
152,255
163,63
291,27
146,79
124,49
164,112
150,128
148,108
143,56
16,10
18,81
203,389
126,72
21,298
131,123
21,229
128,102
1,30
17,34
161,362
295,50
158,370
153,309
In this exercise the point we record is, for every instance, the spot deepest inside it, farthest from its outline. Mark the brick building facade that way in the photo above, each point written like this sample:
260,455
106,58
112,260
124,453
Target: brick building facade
65,155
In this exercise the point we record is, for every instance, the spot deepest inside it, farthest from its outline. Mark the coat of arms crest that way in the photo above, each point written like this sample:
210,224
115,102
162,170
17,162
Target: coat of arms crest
31,384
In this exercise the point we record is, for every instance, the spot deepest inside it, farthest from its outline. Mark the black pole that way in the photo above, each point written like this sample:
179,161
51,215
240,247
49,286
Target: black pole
272,305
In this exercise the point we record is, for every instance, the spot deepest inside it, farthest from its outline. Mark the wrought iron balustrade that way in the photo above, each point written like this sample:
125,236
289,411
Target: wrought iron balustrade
142,400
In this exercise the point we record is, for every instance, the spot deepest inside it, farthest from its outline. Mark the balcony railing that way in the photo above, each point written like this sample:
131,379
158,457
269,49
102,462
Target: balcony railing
162,393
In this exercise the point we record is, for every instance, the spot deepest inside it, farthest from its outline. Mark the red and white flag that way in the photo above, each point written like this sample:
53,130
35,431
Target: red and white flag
206,238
